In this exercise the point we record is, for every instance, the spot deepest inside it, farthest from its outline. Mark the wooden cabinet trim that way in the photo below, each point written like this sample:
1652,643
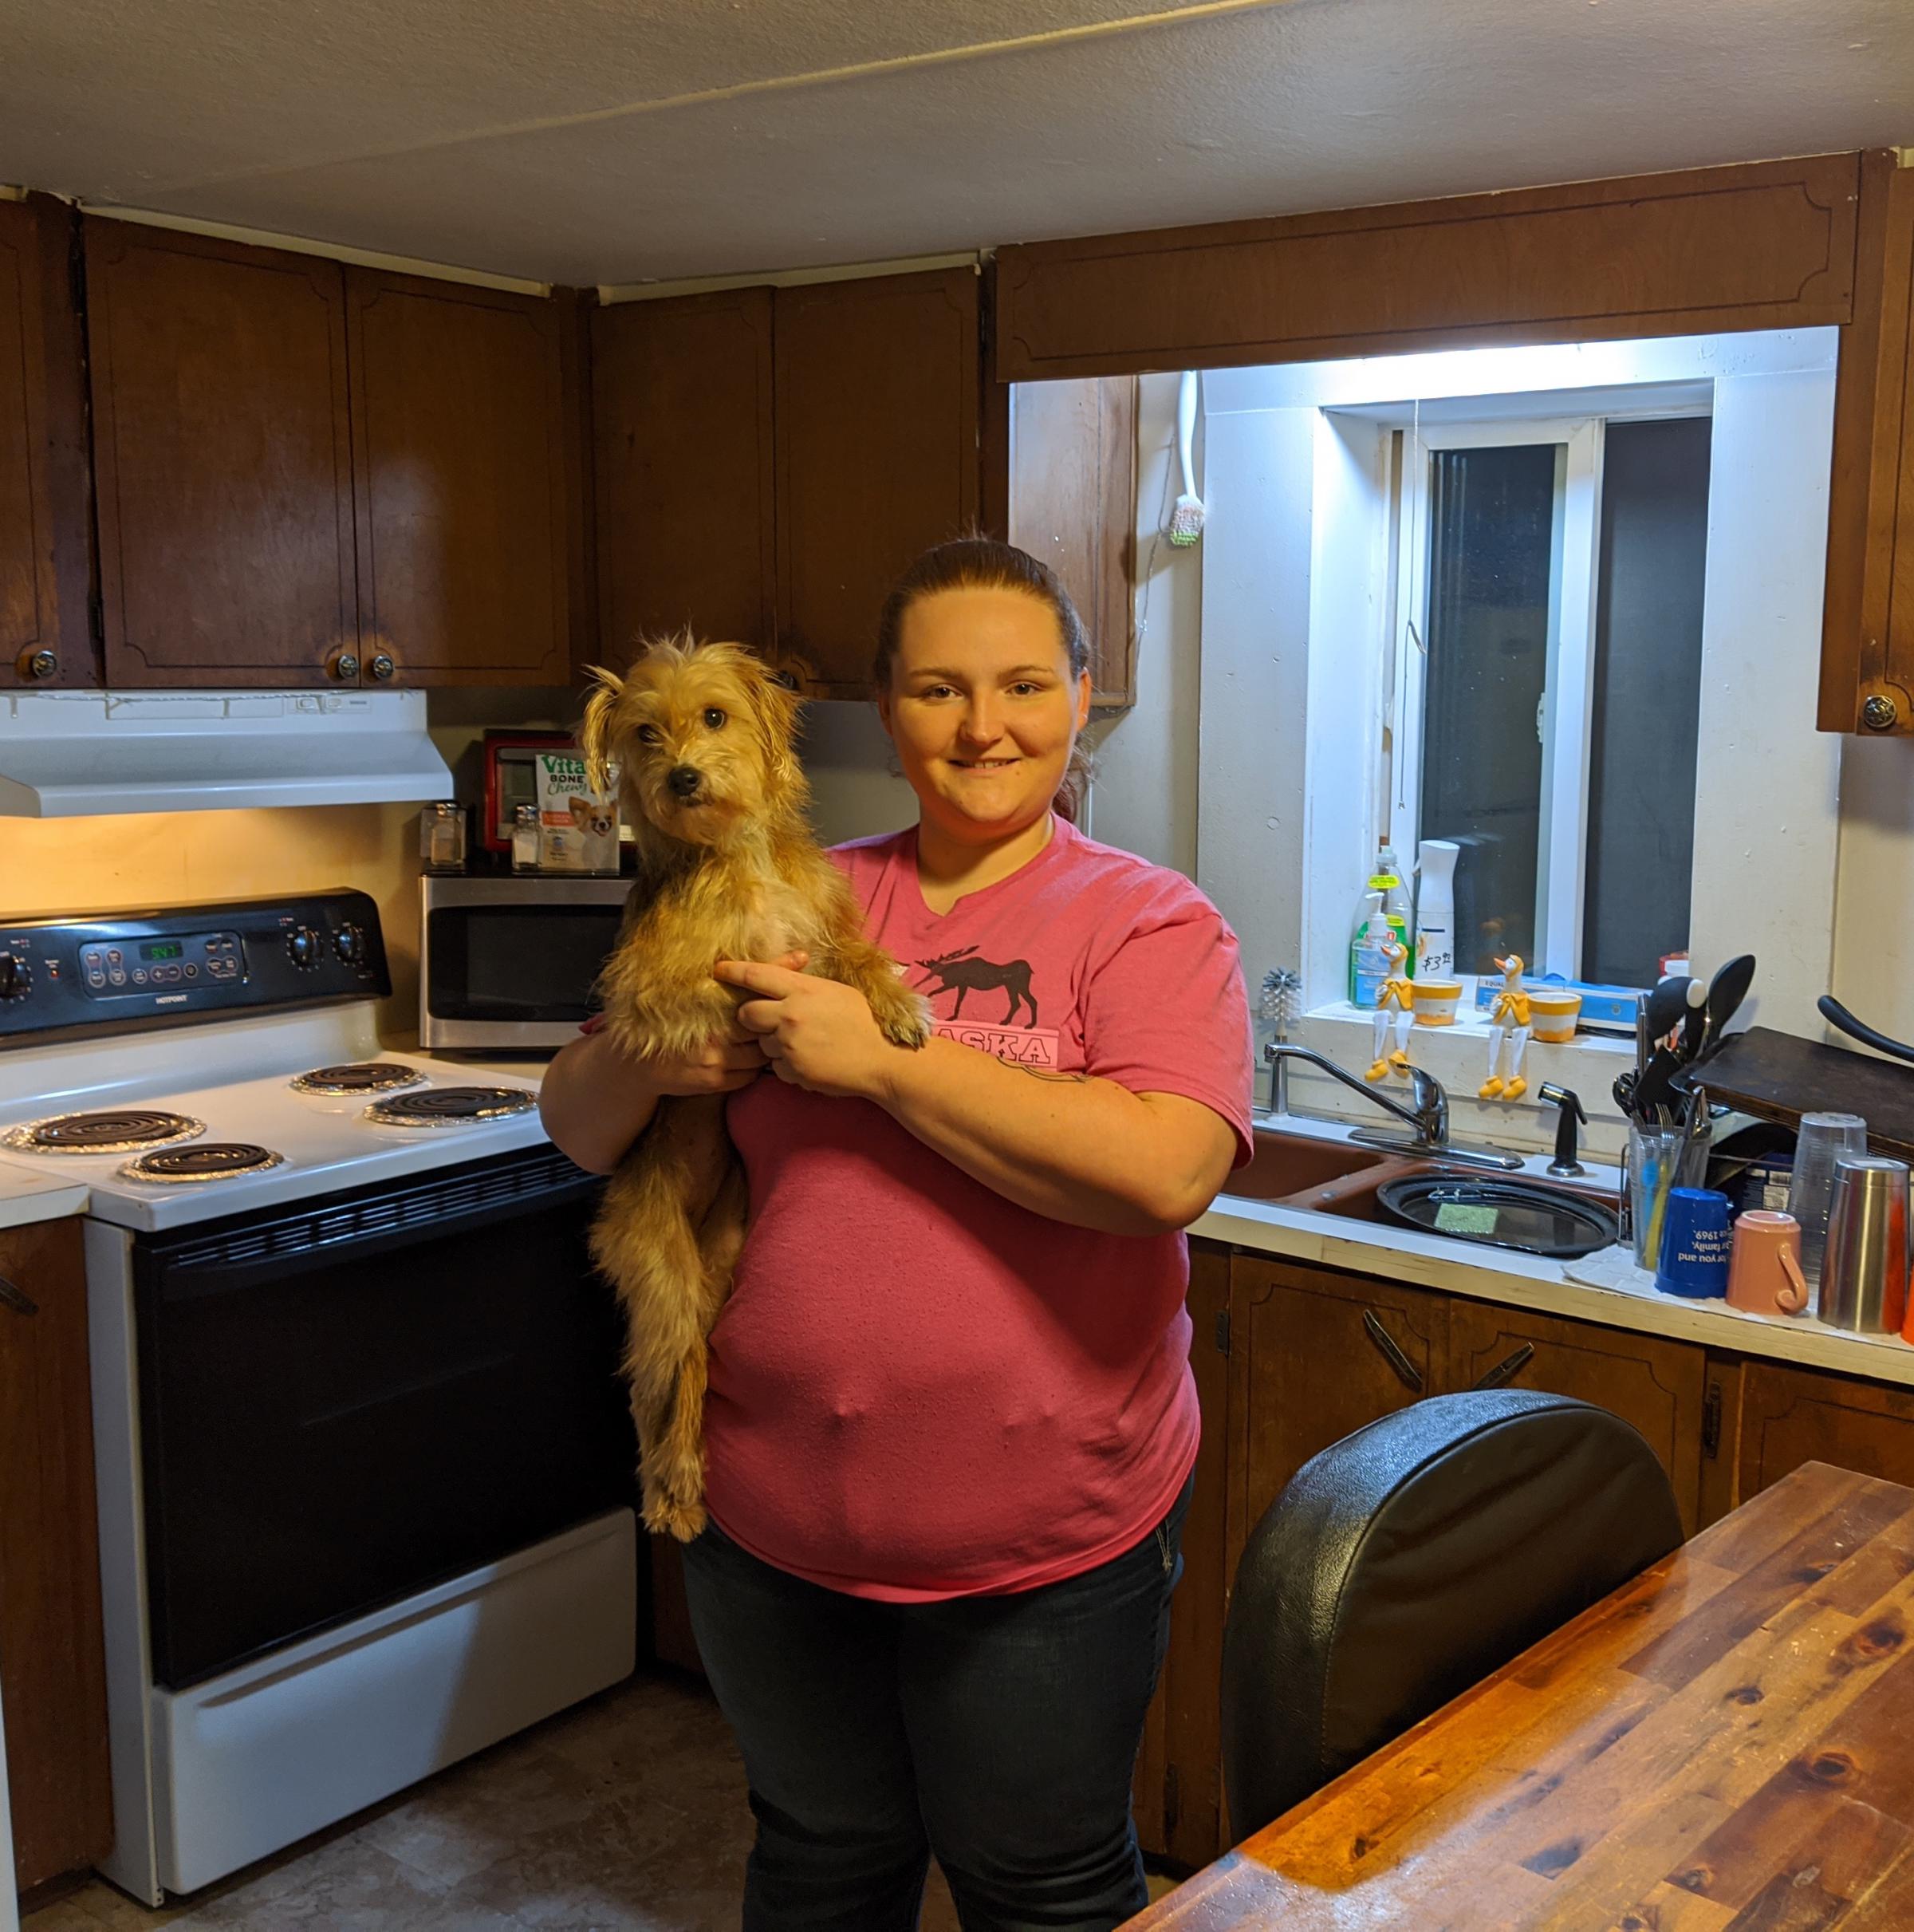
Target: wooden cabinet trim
127,659
1867,605
1761,245
548,657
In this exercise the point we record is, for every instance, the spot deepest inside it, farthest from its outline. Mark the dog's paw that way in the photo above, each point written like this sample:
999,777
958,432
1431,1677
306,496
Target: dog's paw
666,1515
902,1017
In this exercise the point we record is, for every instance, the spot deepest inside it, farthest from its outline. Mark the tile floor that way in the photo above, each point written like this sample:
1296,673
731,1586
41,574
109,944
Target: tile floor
624,1815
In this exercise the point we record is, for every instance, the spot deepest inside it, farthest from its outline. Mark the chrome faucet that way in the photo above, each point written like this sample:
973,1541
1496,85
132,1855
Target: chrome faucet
1427,1117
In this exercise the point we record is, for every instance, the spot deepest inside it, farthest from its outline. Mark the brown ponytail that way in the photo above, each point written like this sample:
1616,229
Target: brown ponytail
982,563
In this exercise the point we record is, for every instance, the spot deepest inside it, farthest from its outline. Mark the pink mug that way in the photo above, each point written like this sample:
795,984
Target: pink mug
1764,1272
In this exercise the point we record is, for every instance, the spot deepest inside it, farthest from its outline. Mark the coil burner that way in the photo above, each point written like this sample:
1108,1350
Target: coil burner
210,1161
360,1077
449,1106
124,1130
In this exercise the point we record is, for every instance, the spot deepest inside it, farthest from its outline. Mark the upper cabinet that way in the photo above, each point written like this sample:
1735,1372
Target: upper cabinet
45,523
1867,662
463,481
308,474
223,458
769,461
877,399
682,464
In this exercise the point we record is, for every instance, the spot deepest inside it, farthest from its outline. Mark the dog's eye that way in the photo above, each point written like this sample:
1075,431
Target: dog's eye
648,734
714,717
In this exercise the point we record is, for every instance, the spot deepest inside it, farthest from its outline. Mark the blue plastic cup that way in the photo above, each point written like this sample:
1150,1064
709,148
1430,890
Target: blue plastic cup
1697,1242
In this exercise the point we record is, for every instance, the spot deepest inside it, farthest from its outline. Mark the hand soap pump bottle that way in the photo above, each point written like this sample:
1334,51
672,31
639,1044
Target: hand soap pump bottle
1387,879
1435,954
1369,963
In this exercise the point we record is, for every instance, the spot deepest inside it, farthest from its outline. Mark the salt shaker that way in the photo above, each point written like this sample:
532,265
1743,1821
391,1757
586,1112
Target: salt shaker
442,837
525,838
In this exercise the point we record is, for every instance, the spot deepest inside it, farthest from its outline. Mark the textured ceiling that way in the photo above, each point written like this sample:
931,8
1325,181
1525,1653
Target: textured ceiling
618,140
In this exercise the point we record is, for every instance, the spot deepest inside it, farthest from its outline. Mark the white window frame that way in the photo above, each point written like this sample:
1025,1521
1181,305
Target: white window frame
1566,720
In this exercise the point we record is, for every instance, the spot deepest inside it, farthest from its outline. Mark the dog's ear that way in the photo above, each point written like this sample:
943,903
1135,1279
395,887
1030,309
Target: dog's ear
595,733
774,713
581,808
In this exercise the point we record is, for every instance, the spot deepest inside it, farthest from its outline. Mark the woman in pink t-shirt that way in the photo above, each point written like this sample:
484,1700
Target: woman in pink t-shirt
951,1424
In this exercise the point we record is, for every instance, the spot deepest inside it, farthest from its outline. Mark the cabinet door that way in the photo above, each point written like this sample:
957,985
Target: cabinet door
1658,1385
1313,1356
1789,1415
52,1670
1073,506
1867,654
683,463
1179,1783
221,447
463,486
877,385
46,516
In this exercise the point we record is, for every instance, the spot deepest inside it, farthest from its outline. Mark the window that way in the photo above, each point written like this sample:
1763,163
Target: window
1544,700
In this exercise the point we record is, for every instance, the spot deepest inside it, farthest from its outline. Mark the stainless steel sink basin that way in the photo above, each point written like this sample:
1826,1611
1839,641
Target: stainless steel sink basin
1300,1171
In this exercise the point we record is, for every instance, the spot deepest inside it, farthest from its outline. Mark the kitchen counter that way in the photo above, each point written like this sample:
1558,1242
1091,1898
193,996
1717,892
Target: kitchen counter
1526,1281
25,1197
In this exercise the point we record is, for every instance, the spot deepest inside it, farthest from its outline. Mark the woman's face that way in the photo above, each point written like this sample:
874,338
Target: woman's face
983,710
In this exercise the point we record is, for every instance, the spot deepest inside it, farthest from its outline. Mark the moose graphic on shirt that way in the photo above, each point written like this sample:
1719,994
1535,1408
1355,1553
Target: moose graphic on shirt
964,972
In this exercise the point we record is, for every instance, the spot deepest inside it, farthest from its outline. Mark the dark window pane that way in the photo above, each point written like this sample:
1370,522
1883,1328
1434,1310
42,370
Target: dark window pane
1647,697
1492,540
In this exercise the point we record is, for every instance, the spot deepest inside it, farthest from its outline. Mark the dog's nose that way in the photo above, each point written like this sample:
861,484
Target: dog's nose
685,779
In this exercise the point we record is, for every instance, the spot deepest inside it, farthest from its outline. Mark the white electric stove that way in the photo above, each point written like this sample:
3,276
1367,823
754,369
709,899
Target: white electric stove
362,1462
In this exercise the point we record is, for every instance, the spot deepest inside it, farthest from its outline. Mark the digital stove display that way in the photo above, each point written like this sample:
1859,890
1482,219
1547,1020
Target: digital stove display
163,949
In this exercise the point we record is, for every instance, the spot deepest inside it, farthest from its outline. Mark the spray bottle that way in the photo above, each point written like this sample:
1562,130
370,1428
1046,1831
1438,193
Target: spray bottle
1435,951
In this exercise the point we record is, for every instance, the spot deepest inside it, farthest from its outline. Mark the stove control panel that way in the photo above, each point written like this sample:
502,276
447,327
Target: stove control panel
59,976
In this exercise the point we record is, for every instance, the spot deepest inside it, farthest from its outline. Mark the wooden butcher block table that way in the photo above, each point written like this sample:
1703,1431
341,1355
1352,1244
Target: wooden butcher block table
1727,1741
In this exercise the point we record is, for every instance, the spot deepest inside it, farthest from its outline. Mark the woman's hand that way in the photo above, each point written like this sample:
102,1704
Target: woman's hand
815,1033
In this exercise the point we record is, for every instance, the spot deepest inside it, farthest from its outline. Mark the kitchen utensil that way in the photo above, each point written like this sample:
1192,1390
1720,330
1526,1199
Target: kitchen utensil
1725,992
1666,1005
1836,1014
1864,1277
1823,1139
1652,1088
1696,1244
1764,1270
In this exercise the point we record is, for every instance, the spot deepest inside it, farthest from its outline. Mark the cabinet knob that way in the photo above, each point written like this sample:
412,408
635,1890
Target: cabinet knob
346,666
37,665
1880,713
382,667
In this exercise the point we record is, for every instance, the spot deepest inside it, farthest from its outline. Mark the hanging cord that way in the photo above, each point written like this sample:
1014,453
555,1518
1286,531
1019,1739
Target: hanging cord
1158,526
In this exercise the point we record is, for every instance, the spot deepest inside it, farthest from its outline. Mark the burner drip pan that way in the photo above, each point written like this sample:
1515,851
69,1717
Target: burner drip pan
360,1077
122,1130
449,1106
209,1160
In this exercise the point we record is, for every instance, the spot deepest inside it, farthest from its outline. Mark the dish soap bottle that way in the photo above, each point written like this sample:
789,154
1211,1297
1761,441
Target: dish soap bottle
1396,908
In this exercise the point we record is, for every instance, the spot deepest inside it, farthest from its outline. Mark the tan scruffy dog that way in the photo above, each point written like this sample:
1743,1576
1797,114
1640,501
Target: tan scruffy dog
728,868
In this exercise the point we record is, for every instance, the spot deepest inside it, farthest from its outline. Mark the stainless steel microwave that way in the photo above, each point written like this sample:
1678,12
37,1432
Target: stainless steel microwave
510,962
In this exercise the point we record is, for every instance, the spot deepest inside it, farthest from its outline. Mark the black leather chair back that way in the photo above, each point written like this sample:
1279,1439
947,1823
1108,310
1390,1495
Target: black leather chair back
1409,1560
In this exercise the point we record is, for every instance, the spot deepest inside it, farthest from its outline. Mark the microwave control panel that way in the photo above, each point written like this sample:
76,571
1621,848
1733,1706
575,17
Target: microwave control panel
58,976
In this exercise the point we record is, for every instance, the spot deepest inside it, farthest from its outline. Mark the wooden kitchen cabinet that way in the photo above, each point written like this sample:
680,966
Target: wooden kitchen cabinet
1073,505
1658,1385
45,514
222,453
877,401
1867,663
683,466
1782,1416
463,485
53,1671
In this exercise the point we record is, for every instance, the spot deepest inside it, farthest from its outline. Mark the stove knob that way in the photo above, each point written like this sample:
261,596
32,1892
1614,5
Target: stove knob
16,982
302,947
349,942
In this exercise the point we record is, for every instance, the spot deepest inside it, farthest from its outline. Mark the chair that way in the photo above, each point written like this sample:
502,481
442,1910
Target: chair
1409,1560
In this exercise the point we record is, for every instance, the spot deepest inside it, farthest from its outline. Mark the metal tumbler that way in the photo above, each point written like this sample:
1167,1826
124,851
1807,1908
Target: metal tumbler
1864,1275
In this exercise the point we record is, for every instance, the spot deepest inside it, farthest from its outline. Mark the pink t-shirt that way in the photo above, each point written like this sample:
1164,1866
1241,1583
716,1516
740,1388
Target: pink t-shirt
918,1389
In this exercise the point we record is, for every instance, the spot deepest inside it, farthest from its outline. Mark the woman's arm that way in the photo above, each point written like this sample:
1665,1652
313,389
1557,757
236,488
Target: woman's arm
1085,1151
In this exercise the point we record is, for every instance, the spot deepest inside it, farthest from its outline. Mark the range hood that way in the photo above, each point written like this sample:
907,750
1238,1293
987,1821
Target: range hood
70,754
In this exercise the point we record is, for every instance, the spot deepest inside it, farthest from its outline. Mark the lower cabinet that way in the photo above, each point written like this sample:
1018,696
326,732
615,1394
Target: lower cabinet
1781,1417
52,1670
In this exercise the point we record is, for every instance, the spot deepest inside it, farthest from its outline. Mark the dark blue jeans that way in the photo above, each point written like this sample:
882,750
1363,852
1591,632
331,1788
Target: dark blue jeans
998,1732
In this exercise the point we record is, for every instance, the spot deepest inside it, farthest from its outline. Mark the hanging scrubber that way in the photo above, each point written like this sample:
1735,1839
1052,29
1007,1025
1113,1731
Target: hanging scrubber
1186,519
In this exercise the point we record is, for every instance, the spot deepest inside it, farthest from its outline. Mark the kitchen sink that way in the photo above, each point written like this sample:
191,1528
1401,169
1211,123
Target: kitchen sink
1300,1171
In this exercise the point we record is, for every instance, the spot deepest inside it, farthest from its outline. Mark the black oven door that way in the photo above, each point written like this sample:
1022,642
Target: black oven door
346,1403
